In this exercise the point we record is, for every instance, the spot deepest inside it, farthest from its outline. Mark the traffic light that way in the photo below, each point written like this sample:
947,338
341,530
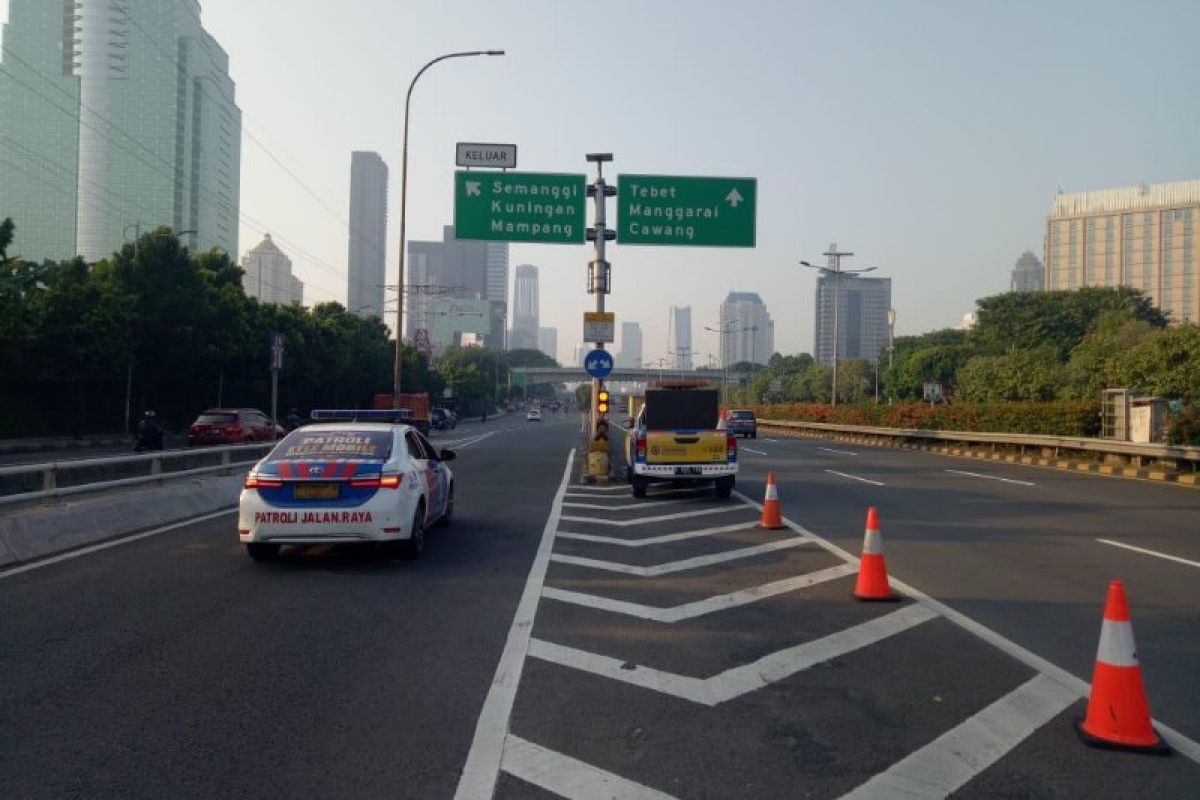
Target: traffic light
602,402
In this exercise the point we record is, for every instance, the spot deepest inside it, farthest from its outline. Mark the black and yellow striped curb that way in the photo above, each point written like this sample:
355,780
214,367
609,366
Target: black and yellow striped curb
963,451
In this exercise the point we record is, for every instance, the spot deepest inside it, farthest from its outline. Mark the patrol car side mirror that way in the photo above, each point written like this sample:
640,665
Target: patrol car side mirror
447,455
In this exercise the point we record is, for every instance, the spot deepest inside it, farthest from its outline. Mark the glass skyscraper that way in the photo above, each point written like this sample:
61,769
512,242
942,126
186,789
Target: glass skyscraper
115,115
368,234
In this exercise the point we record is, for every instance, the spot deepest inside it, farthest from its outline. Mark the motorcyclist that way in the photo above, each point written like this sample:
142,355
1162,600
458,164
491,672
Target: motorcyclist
149,433
292,420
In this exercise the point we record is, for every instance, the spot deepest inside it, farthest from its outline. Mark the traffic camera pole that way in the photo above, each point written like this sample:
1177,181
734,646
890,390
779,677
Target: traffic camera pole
599,273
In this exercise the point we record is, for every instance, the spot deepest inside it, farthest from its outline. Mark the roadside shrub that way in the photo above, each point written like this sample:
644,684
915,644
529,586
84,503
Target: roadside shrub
1184,426
1052,419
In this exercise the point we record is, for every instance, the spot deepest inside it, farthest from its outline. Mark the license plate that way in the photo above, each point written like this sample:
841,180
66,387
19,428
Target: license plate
316,491
689,471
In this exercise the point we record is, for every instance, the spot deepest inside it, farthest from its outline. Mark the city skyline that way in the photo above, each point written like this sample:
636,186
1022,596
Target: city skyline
525,311
862,317
969,141
268,275
746,329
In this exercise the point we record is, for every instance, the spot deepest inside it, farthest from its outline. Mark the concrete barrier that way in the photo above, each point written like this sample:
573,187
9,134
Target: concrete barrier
39,531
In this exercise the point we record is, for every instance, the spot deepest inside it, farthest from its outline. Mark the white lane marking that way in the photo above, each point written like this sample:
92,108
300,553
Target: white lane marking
664,539
1151,552
735,682
839,452
478,781
628,506
1182,744
699,608
462,444
958,755
990,477
625,523
854,477
773,441
682,565
569,777
589,490
752,450
95,548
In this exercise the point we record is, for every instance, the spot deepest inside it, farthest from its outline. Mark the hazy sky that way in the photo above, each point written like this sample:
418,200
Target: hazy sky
928,137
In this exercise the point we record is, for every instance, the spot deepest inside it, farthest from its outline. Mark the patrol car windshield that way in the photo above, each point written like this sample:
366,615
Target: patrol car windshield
358,444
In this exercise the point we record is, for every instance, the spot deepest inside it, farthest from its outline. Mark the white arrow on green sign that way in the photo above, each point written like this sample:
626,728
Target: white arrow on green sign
541,207
681,210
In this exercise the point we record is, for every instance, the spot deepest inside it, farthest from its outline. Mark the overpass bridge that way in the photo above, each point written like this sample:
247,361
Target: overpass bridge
628,374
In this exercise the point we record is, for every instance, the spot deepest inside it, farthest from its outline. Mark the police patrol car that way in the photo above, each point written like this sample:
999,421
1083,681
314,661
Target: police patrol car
354,476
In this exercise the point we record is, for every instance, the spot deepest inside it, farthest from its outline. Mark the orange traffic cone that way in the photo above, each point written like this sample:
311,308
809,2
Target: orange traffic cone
872,571
771,518
721,421
1118,715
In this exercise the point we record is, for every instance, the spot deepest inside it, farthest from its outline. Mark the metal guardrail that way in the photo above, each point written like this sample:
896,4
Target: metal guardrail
51,474
1158,452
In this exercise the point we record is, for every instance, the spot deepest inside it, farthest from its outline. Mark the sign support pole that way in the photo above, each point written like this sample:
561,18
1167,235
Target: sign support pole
598,284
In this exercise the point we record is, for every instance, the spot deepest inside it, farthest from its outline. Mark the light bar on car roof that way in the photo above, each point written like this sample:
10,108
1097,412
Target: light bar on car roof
361,415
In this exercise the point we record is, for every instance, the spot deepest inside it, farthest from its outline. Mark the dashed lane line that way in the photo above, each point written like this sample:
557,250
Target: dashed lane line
958,755
478,780
1181,743
839,452
854,477
751,450
682,565
1154,553
735,682
699,608
653,540
625,523
990,477
569,777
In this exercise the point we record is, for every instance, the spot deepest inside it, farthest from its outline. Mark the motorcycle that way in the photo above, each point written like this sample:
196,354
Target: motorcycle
148,440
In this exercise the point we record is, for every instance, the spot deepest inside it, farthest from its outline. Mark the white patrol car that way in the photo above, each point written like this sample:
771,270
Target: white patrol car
358,478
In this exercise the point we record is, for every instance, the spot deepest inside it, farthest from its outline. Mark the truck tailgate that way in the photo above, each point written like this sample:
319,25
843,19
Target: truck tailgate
685,447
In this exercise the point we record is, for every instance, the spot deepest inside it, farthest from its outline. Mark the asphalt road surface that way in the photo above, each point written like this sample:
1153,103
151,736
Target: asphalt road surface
564,640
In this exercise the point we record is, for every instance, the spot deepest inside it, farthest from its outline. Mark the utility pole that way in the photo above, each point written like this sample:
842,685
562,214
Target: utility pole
599,283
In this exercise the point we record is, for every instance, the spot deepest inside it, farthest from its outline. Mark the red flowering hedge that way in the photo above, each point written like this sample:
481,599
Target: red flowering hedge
1055,419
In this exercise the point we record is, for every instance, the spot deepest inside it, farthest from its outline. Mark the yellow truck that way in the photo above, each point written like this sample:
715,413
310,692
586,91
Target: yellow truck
675,437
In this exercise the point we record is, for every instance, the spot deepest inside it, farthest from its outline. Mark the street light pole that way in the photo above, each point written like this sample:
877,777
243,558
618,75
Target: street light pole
396,368
891,348
834,268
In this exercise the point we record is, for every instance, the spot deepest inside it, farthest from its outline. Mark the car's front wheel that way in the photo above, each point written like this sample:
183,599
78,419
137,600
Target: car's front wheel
262,551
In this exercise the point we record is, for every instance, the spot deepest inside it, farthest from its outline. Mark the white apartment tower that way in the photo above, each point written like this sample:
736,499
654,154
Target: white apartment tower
747,331
268,275
630,354
525,309
367,261
681,337
116,114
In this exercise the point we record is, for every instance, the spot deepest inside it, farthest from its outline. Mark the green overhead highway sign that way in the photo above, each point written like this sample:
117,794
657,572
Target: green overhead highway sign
542,207
679,210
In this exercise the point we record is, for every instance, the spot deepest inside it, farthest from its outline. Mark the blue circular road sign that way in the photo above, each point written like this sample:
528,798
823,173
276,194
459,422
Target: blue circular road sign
598,363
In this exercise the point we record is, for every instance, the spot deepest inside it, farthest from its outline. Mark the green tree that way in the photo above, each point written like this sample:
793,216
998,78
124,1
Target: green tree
1017,375
1059,320
1093,365
1166,363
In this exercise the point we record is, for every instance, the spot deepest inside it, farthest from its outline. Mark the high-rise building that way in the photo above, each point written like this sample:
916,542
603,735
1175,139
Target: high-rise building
862,318
367,261
525,314
1028,275
113,116
681,336
630,354
548,342
747,331
1142,236
268,275
580,350
454,269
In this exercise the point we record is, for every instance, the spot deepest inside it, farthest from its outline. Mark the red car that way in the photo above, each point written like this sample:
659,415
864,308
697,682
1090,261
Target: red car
232,426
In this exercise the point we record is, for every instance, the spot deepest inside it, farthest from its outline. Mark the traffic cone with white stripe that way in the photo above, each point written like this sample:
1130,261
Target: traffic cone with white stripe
872,571
1118,715
772,519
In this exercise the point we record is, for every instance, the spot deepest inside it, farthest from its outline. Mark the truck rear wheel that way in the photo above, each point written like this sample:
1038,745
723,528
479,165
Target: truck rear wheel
725,486
639,485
